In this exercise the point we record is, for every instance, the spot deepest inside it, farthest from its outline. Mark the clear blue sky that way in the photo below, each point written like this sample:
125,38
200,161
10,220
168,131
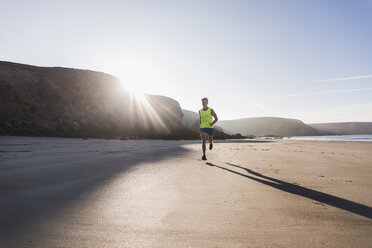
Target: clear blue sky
310,60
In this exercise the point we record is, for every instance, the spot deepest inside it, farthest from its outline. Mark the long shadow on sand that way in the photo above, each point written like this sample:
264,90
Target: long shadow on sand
331,200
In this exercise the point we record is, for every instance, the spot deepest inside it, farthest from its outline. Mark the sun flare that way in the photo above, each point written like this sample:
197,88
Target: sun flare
143,108
134,92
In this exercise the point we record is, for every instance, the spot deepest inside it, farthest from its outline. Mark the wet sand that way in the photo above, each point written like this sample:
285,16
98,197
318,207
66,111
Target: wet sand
62,192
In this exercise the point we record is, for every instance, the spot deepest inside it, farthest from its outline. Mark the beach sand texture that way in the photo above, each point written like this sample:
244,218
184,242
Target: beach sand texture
63,192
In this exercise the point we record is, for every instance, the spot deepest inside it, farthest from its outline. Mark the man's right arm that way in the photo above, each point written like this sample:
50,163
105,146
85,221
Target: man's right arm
199,122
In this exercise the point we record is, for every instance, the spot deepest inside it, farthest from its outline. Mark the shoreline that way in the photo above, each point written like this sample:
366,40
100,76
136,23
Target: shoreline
216,140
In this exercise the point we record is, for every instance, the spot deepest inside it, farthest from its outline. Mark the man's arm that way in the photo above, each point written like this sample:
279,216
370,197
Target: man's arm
215,117
199,123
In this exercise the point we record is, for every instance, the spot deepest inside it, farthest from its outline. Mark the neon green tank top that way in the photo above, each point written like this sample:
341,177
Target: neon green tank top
206,118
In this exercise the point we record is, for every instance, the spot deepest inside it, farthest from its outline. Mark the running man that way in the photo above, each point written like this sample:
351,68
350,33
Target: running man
206,125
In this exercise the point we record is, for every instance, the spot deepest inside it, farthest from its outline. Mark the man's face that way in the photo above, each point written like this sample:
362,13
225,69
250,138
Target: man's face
205,103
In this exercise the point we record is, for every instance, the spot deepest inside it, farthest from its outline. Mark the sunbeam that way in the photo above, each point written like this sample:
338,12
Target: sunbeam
144,110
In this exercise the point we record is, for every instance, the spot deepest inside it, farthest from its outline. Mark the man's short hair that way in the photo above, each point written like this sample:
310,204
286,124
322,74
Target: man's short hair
205,99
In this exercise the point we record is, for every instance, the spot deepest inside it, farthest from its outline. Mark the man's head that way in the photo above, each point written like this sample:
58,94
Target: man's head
205,102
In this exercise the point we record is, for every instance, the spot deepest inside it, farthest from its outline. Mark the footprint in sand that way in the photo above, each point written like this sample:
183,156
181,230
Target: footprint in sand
318,203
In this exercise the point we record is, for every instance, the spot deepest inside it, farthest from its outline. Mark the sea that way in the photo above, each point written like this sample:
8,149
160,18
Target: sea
356,137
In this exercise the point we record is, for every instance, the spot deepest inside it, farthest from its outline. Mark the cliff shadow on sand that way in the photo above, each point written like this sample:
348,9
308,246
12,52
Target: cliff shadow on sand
34,188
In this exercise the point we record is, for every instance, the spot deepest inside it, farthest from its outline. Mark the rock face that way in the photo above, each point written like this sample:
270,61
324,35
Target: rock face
54,101
264,126
343,127
190,118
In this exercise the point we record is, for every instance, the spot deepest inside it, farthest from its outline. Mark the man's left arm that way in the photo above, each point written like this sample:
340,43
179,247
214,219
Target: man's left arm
215,117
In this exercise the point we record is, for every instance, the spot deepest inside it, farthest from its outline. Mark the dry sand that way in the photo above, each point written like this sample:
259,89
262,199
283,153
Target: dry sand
61,192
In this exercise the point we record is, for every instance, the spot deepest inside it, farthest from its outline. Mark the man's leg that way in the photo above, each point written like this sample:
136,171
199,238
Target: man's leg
204,141
210,142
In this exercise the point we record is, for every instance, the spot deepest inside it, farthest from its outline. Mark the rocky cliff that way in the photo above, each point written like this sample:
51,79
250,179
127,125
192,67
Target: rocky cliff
263,126
343,127
54,101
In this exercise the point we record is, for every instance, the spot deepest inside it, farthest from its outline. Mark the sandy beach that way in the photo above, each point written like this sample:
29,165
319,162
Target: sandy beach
64,192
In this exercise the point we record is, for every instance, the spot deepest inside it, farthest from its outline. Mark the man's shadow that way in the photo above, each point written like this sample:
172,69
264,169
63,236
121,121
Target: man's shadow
331,200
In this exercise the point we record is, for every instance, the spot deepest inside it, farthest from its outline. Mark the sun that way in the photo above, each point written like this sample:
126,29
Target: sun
135,92
137,73
138,95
